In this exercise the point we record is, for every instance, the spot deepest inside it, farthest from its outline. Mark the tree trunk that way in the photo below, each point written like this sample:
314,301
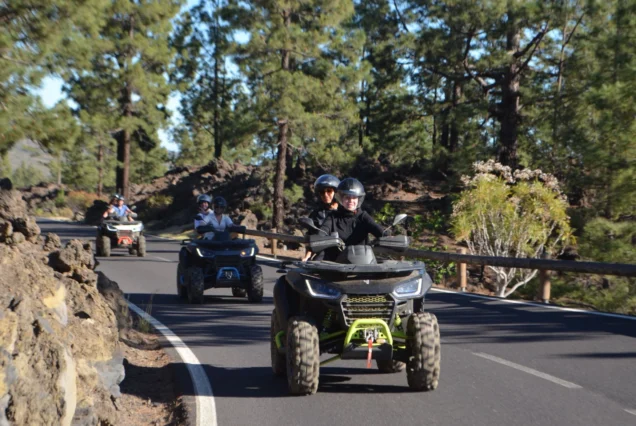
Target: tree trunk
453,141
123,152
100,169
281,160
218,144
510,106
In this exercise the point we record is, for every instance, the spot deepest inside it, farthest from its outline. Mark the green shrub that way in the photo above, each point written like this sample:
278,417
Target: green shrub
506,214
80,201
261,210
294,194
60,199
160,201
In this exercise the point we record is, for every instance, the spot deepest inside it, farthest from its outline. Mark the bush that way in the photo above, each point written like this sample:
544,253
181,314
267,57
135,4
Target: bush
261,210
294,194
505,214
60,199
80,201
160,201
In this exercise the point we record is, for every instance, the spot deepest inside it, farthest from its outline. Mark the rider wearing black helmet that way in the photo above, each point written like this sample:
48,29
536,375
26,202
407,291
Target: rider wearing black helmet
352,224
325,189
215,217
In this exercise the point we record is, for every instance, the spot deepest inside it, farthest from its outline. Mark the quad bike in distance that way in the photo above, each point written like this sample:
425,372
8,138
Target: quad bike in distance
219,261
357,308
116,232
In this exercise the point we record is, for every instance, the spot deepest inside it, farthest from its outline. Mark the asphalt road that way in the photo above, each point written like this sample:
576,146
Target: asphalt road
502,364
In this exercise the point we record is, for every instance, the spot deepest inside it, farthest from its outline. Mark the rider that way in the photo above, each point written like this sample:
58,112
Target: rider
352,224
117,208
215,217
325,189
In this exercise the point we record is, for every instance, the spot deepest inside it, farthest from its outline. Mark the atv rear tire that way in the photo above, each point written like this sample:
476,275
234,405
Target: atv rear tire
424,346
238,292
255,290
102,246
390,366
182,282
302,357
196,285
278,359
141,246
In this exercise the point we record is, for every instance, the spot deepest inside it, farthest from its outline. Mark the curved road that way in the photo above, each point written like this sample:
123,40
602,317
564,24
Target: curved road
502,364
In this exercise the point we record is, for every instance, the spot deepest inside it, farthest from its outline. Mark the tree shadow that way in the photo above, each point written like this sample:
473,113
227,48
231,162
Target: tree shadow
470,320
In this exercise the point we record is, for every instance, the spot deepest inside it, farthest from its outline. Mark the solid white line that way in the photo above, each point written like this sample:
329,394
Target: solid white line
631,411
204,398
528,370
540,305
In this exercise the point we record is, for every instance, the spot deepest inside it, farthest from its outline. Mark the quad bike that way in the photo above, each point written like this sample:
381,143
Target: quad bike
218,261
116,232
354,308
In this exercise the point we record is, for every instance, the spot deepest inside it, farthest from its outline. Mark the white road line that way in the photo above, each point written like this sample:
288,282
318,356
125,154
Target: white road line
528,370
631,411
164,259
204,398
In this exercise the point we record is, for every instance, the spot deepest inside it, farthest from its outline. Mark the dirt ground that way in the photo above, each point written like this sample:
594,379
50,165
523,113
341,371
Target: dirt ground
148,393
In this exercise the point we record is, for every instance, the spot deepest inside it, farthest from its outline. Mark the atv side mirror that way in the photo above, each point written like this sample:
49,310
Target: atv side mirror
308,224
399,219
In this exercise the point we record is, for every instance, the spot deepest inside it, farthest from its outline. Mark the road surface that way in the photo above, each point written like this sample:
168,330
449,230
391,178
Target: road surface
502,364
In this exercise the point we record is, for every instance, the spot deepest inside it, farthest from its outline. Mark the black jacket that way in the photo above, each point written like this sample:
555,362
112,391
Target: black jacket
352,228
320,214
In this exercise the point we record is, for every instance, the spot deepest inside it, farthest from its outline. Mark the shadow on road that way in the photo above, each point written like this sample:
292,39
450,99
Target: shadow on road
467,320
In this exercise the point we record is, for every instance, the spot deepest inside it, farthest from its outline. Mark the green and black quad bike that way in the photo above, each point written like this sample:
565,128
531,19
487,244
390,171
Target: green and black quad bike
219,262
357,308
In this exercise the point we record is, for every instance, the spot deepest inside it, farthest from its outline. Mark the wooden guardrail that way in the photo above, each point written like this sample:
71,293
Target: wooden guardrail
461,259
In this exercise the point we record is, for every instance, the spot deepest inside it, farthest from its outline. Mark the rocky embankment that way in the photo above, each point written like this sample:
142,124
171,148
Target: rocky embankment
60,323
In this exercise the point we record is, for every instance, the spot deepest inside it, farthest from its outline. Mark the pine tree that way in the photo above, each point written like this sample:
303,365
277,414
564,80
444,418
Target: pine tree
127,66
33,34
296,87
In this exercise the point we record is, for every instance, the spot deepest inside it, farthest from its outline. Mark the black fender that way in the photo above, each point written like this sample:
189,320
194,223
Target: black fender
281,302
183,257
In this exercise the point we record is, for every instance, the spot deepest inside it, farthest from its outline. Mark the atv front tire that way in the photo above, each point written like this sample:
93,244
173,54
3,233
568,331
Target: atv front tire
102,246
278,359
196,285
390,366
141,246
302,357
182,282
255,290
424,346
238,292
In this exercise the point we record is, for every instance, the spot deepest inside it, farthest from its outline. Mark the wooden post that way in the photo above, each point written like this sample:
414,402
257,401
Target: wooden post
274,244
544,281
461,272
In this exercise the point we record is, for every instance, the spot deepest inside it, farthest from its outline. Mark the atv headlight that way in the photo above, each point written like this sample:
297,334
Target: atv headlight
322,290
204,252
409,288
247,252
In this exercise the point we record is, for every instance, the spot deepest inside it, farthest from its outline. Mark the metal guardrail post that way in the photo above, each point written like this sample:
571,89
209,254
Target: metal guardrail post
461,272
274,244
544,281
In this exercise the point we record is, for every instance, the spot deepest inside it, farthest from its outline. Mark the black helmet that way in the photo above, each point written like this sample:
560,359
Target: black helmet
220,202
350,186
204,198
118,197
325,181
